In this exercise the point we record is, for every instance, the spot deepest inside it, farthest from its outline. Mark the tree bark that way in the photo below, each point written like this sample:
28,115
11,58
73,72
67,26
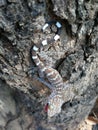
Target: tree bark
75,56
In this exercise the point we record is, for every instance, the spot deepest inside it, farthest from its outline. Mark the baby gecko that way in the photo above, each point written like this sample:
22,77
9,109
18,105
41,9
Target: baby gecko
55,99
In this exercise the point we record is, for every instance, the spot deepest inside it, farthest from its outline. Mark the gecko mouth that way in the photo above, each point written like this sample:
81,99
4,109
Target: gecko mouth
46,107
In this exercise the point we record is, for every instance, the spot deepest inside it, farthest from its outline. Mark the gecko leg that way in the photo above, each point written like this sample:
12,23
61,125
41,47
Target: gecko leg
44,82
33,70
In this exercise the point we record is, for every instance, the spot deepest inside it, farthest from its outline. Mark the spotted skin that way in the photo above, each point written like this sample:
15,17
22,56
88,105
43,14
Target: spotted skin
55,99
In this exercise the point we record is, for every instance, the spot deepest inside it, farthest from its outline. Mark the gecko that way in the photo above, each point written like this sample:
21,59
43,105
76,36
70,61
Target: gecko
55,100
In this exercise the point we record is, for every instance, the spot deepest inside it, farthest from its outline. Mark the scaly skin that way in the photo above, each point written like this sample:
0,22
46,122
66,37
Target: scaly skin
55,100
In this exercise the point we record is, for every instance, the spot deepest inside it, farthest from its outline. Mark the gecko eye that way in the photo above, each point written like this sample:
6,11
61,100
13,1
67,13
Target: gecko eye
50,106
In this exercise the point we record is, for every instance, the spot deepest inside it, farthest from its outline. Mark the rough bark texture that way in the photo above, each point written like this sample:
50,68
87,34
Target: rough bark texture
75,57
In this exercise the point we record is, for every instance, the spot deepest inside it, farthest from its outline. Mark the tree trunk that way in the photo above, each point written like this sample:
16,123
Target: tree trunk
75,56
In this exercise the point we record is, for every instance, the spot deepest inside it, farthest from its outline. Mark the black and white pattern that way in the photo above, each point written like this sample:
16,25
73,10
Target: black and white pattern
51,74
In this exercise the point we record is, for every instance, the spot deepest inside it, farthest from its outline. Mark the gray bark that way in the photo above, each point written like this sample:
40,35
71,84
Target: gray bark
75,57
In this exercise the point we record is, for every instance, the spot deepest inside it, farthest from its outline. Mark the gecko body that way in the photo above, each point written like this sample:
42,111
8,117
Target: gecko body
55,99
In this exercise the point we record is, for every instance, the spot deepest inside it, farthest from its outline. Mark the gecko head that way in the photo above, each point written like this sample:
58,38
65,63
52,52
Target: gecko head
54,105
